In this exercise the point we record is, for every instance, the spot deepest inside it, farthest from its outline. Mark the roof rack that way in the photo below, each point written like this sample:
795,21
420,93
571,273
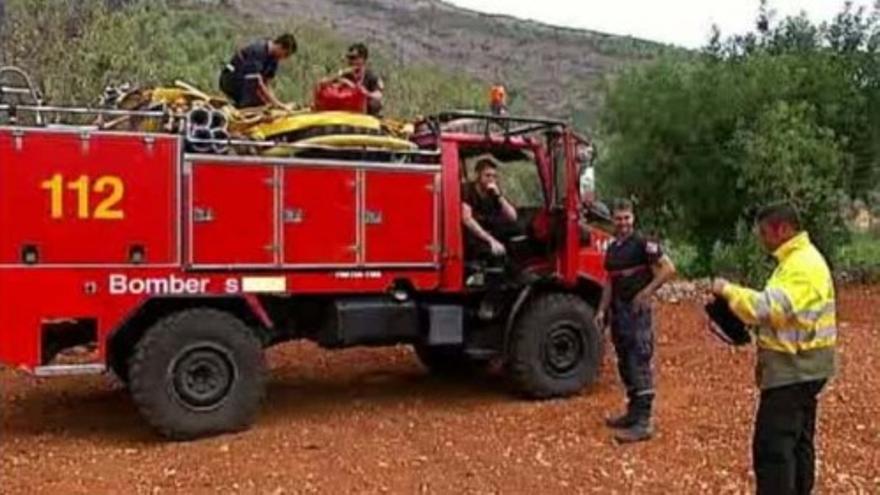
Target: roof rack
509,125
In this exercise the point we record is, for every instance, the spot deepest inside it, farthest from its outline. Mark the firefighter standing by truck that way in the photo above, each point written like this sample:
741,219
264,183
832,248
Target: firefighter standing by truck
637,267
247,78
796,342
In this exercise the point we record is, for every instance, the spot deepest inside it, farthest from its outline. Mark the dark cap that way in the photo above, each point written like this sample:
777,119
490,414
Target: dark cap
358,50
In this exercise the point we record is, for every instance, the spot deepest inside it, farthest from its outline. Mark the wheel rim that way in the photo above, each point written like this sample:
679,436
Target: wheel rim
563,349
203,376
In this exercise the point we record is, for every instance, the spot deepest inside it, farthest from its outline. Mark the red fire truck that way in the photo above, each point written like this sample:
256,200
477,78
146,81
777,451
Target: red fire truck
179,269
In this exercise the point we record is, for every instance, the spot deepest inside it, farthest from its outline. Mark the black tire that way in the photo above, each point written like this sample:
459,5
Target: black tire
449,360
119,367
555,349
197,373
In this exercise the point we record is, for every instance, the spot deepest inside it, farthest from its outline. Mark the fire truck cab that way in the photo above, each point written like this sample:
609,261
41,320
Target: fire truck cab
175,270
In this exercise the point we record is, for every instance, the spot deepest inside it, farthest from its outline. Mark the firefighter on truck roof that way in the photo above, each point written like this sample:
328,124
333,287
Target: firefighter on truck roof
637,267
796,341
360,76
248,76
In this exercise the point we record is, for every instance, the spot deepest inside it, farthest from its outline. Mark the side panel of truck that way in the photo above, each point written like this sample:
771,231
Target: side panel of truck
74,199
95,224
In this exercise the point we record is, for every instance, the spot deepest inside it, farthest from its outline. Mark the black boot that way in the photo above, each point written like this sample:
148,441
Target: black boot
641,429
625,420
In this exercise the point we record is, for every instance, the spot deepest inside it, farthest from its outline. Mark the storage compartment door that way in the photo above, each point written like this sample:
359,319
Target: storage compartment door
232,215
319,216
399,217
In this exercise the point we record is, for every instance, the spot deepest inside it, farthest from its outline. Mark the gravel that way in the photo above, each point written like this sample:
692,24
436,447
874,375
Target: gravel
372,421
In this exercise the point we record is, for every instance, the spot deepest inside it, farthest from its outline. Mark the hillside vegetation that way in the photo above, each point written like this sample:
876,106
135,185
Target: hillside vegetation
790,111
433,55
548,70
74,48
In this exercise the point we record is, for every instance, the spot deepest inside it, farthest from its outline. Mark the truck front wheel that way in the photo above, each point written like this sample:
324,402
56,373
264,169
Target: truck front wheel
554,348
196,373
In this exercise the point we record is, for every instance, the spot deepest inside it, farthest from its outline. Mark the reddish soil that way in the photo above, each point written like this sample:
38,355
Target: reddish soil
372,421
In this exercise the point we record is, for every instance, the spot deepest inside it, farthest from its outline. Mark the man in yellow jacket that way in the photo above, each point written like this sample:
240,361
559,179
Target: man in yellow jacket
796,337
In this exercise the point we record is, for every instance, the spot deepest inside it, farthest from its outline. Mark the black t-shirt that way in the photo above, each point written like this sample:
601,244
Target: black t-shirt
255,59
628,262
485,208
371,83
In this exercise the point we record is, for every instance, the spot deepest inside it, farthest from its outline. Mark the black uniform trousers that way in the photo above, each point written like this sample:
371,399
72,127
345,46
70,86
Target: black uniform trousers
633,339
783,452
243,91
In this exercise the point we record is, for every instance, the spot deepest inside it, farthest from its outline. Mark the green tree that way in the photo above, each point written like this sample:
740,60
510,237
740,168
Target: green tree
787,111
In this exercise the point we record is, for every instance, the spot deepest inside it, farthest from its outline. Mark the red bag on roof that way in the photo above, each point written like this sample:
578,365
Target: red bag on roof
336,96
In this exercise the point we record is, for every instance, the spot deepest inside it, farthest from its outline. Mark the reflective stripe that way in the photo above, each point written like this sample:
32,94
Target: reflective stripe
252,76
781,298
801,336
762,308
813,315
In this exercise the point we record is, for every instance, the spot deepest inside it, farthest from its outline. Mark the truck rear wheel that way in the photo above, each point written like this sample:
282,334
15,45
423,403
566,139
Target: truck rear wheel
555,348
196,373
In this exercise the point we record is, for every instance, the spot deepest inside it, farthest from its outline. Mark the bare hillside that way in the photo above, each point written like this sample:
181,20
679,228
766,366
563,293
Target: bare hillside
548,69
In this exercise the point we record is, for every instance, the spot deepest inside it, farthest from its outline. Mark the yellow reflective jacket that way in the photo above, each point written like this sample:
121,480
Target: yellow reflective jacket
795,316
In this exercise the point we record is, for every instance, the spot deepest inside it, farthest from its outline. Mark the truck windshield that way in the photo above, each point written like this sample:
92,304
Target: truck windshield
519,180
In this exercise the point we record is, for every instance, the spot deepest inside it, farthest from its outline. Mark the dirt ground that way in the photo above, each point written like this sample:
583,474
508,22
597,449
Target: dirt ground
372,421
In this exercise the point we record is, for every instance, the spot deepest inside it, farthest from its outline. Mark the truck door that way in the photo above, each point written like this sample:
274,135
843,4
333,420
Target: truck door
232,214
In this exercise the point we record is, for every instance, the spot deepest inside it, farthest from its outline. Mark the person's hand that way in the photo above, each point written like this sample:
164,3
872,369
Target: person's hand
642,300
498,249
718,285
493,190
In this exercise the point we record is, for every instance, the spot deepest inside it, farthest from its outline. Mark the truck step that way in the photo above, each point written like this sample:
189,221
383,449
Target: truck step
70,369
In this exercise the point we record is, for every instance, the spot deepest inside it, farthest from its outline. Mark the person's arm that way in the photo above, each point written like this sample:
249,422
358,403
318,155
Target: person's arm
507,209
771,308
339,76
467,218
664,271
604,305
268,96
376,93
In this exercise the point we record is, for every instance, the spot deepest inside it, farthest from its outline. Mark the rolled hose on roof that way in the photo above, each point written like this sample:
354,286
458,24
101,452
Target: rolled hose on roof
198,115
345,142
296,123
